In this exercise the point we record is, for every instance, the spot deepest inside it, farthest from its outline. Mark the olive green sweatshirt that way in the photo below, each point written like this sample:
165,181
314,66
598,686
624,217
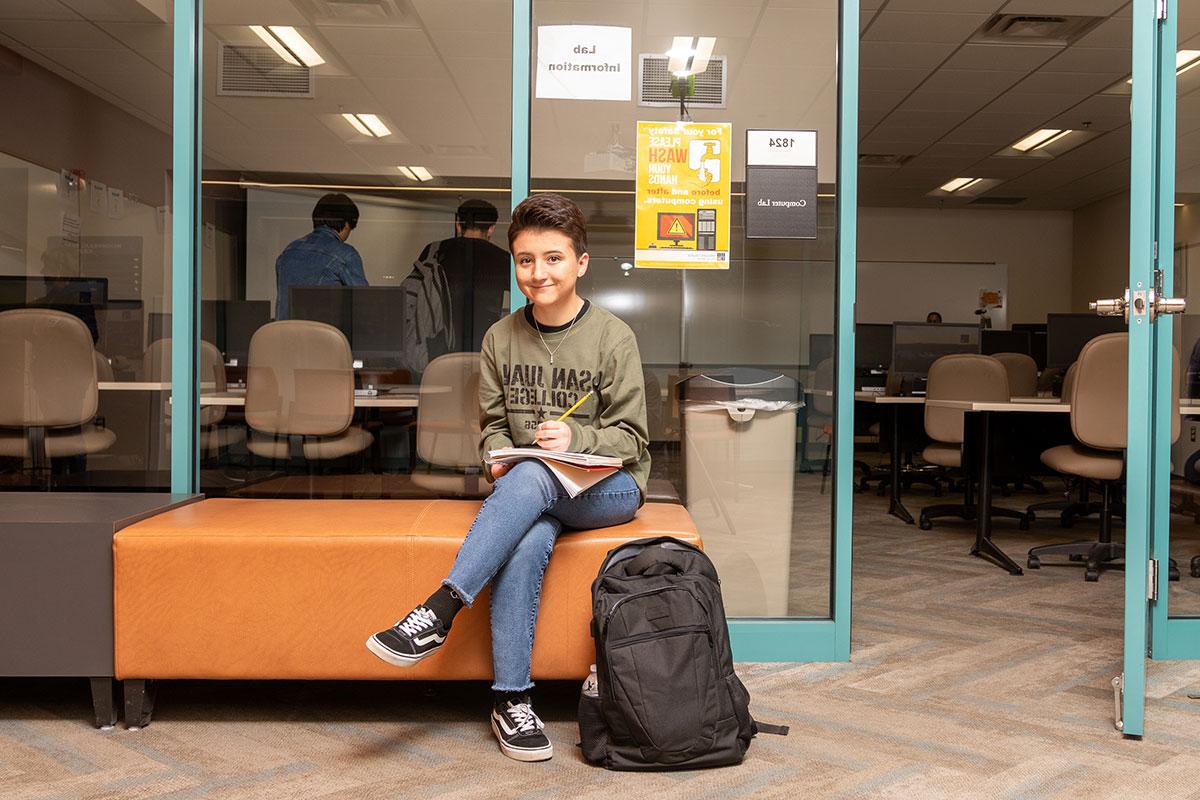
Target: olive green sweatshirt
519,386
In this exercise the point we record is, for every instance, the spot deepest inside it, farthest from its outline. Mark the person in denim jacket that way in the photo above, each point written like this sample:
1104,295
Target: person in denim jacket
322,258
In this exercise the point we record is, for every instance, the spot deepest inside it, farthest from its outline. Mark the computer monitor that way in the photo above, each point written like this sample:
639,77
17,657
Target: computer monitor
229,324
916,345
997,341
820,348
1037,348
872,345
378,325
328,304
29,291
1030,327
1066,334
372,317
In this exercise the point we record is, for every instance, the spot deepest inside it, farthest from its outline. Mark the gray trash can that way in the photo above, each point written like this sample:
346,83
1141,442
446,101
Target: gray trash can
739,445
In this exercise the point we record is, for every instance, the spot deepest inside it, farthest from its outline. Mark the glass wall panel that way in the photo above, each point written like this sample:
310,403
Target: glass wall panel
355,185
85,192
755,483
1185,455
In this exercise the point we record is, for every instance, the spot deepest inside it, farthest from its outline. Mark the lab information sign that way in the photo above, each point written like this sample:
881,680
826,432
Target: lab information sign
682,195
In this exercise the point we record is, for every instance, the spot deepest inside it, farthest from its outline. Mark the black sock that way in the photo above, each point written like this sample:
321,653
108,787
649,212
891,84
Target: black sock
499,699
445,602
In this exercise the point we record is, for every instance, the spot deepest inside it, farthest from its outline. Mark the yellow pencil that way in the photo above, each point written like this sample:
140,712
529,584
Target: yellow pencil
575,407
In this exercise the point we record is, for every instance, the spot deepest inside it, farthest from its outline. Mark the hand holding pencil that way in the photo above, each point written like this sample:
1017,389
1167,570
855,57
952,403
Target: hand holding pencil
556,434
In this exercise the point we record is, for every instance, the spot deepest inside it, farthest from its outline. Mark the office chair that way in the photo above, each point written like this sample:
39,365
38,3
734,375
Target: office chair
50,396
1069,507
962,376
104,370
1022,373
300,393
156,368
448,428
1098,398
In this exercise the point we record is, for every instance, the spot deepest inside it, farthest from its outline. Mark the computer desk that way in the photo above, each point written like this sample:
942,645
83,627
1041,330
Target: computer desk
406,396
895,504
980,413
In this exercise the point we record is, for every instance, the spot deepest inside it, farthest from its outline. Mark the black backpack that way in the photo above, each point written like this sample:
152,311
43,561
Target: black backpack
668,697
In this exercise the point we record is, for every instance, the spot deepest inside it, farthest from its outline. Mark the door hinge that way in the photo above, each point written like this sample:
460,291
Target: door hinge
1161,10
1118,684
1152,579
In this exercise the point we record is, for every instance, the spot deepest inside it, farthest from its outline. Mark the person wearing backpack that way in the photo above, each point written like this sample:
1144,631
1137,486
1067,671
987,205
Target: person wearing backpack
536,364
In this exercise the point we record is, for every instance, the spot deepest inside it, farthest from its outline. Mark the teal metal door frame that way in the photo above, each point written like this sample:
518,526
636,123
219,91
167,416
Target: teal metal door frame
1151,251
187,98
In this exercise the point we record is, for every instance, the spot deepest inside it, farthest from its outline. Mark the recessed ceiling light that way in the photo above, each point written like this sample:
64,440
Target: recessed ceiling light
1185,60
689,55
288,44
1039,139
958,184
368,125
416,173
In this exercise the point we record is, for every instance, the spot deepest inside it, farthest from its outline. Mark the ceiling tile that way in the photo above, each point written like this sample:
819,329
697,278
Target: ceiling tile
894,80
987,82
476,15
377,41
976,6
40,34
1114,32
925,99
1109,61
903,55
1085,8
1016,58
894,26
1030,103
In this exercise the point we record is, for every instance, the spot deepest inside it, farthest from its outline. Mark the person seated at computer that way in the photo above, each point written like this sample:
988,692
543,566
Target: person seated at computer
933,318
457,289
322,258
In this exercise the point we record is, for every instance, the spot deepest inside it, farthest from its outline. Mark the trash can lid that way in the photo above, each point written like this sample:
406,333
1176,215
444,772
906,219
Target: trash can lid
737,384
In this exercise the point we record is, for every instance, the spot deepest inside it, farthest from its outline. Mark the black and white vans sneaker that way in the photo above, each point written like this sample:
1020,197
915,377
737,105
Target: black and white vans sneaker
417,636
519,732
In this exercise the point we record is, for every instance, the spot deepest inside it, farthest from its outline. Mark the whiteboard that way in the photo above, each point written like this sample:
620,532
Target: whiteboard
905,291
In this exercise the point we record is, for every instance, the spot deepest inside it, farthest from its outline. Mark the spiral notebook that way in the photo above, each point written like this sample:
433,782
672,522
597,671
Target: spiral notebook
577,472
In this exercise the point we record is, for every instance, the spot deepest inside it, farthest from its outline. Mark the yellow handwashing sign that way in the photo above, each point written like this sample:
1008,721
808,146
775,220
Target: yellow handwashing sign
682,195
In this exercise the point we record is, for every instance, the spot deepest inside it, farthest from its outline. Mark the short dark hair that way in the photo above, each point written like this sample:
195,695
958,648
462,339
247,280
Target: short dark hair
930,316
550,212
477,214
335,210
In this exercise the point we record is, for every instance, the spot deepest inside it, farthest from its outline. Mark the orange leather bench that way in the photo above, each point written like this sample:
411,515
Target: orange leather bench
266,589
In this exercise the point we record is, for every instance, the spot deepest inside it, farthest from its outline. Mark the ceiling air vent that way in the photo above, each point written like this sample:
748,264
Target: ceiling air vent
1046,30
249,71
997,201
360,12
883,160
654,87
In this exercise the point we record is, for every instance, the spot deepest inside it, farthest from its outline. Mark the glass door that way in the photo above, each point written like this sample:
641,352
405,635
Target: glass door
1158,598
1175,612
636,109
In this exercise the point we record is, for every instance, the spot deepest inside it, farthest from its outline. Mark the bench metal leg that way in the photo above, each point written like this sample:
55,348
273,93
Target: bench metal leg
139,703
104,702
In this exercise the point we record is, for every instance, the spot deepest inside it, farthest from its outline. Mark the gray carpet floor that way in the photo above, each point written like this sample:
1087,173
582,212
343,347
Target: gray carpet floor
964,682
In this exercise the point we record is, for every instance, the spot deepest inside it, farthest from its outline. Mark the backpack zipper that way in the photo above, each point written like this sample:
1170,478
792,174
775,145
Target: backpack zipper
664,634
647,593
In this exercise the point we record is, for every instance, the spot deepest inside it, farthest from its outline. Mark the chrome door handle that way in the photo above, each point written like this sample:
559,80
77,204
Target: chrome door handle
1166,305
1112,307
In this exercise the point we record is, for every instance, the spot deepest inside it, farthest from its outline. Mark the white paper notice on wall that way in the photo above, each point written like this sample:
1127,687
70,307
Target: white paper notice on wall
584,62
97,197
69,229
116,203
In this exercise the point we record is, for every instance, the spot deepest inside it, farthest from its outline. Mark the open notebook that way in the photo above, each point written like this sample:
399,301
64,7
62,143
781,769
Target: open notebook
576,472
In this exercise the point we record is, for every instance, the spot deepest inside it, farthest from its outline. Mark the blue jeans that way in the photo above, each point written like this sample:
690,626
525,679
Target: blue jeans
510,543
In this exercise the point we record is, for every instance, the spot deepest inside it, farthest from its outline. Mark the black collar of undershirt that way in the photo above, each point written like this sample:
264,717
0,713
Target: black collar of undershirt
554,328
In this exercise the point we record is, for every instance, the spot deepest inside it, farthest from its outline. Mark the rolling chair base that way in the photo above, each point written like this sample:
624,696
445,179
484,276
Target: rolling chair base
1095,555
967,513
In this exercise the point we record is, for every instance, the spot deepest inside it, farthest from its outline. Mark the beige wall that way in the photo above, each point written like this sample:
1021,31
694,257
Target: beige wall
1101,258
1036,246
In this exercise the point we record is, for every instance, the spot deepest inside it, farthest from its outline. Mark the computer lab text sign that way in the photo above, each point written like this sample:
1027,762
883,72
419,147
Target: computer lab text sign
781,184
584,62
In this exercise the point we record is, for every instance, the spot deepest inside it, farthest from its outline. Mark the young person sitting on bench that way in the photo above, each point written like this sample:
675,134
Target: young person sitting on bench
536,364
